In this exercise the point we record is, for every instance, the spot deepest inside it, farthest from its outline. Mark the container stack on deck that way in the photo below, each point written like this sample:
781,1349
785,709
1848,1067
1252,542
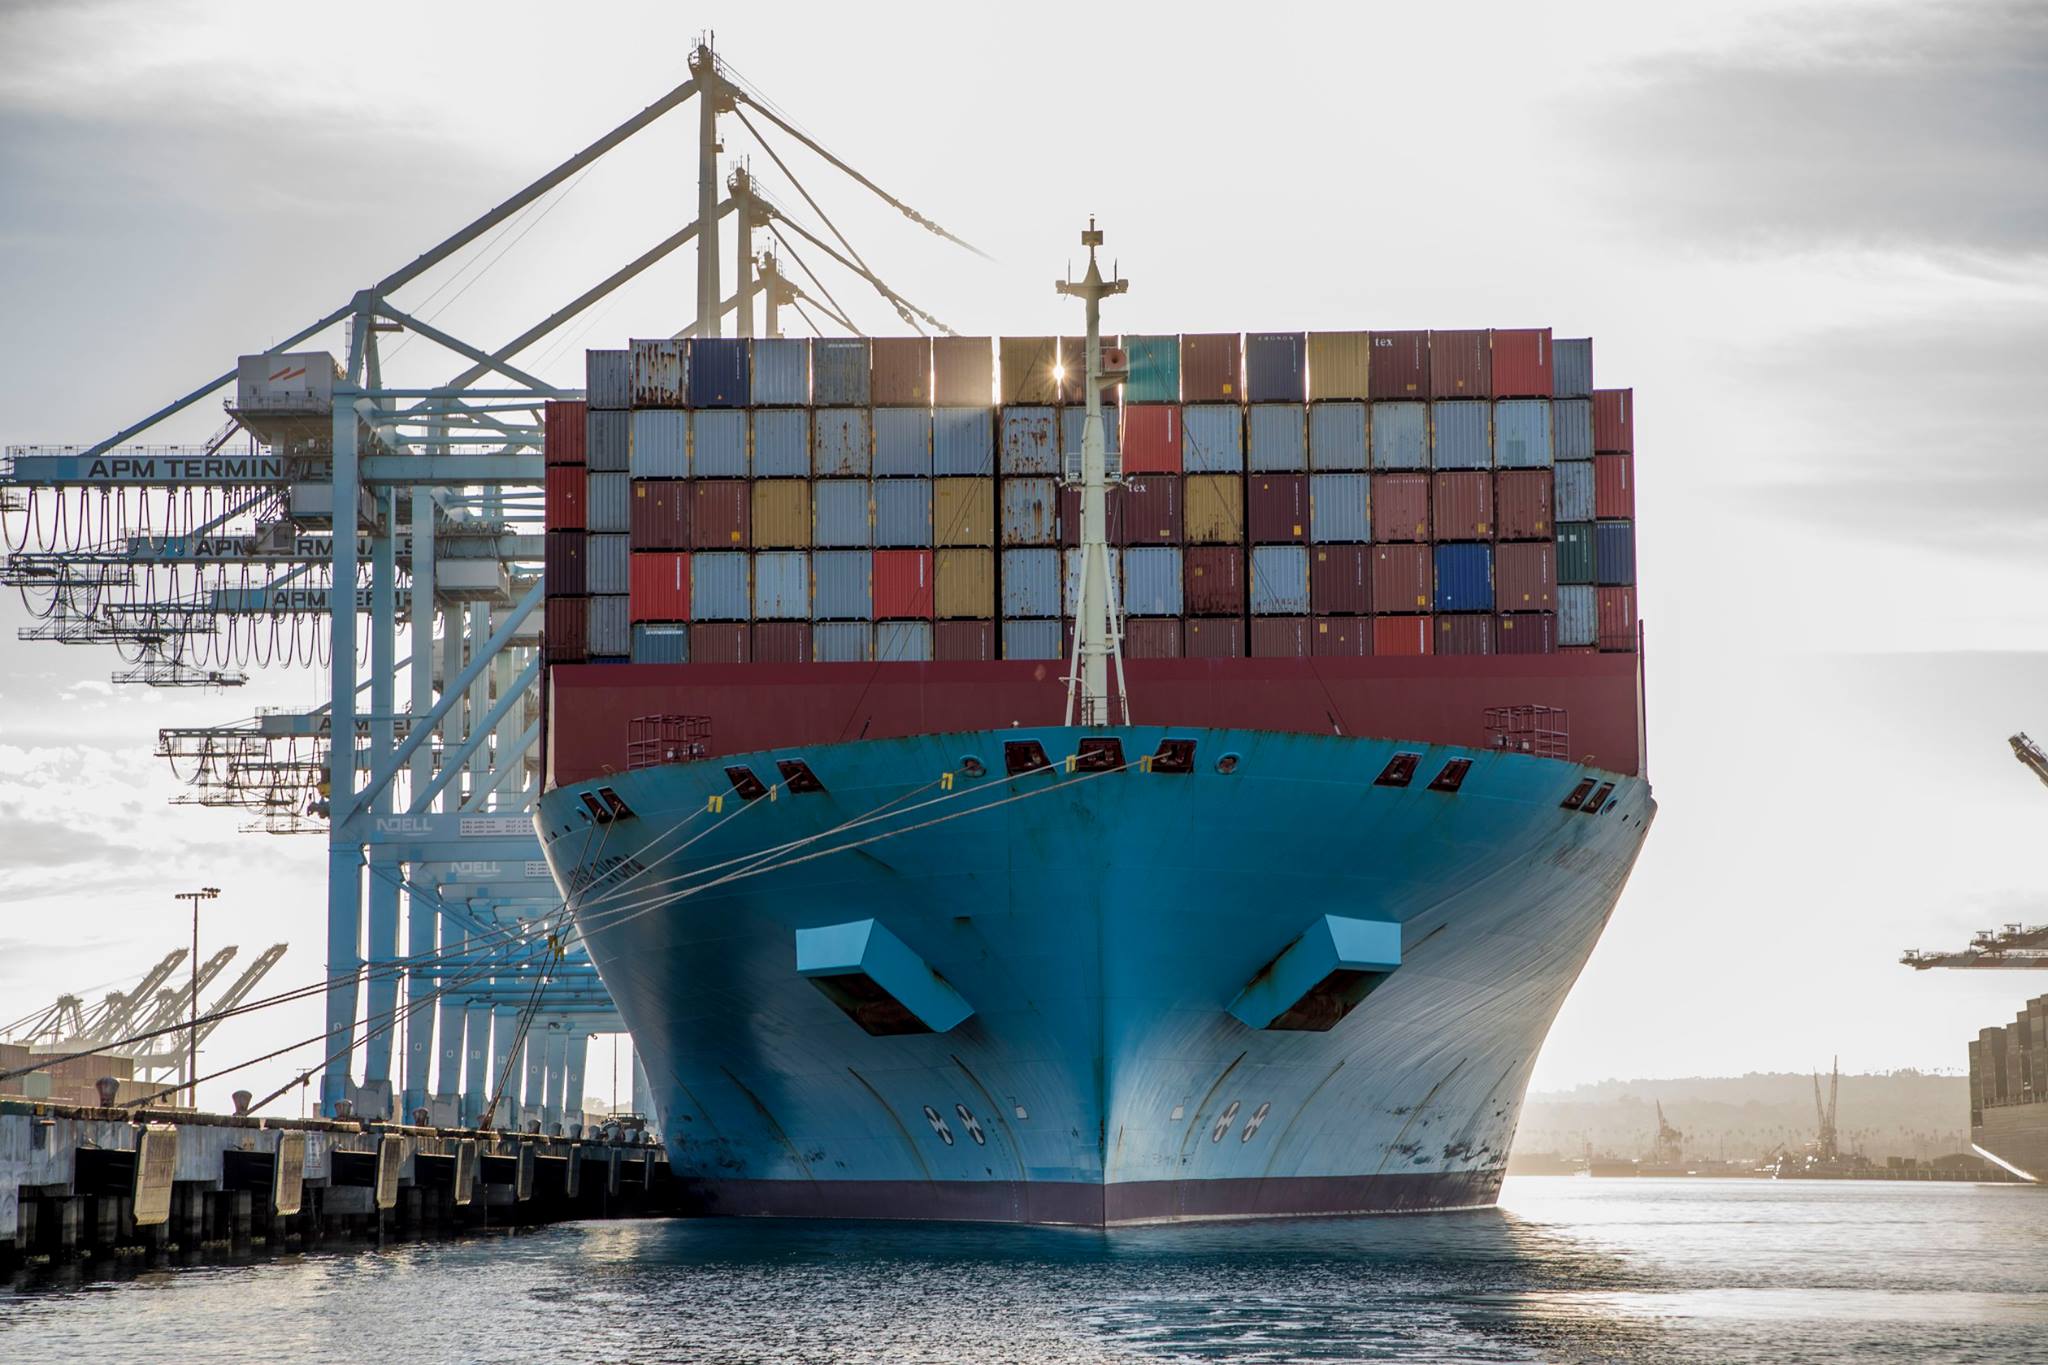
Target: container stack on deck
1286,494
2009,1065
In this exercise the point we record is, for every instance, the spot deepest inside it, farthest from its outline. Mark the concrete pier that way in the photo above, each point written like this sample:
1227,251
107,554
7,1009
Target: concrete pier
80,1183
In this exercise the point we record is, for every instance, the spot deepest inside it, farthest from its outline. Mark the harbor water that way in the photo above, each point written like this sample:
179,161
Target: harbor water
1565,1270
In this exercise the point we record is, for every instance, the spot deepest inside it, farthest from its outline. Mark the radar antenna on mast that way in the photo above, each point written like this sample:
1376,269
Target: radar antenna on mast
1098,625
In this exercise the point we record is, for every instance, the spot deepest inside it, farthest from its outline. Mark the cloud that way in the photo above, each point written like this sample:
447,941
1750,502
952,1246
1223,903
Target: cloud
1870,125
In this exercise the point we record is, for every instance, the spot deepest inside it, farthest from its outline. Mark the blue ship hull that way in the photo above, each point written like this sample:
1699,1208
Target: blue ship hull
1102,932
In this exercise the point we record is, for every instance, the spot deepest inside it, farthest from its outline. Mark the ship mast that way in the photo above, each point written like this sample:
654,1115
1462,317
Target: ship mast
1097,636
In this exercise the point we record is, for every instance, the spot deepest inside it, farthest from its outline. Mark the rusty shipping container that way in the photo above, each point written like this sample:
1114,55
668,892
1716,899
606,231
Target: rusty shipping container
1341,637
661,514
1522,361
658,373
1460,365
1028,441
1400,507
1214,578
1461,502
719,514
720,642
1522,504
1339,365
1029,512
1209,368
963,372
1340,580
1400,365
1402,579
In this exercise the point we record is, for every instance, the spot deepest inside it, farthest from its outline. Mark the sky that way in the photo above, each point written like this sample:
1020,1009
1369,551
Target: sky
1813,238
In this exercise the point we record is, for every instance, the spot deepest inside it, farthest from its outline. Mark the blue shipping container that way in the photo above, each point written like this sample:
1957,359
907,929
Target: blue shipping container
782,372
1571,369
839,442
903,641
718,372
661,644
1400,435
843,585
1279,580
782,443
1071,420
1614,554
1274,367
608,563
1030,442
1029,512
1572,420
1211,438
1277,437
903,442
720,587
608,379
964,441
1155,370
1070,593
718,443
1031,582
782,585
1152,580
608,503
1459,438
1336,437
841,514
1464,578
1031,639
660,443
1578,612
843,642
1521,433
610,630
1572,491
903,513
839,372
1339,508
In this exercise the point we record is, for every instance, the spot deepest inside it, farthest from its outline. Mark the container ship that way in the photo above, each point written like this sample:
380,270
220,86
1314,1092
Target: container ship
1092,780
2009,1092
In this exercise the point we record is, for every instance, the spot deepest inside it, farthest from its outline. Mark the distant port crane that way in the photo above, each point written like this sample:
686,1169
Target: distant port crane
2012,947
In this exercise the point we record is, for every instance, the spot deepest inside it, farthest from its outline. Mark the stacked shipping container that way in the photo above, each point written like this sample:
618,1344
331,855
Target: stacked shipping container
1284,494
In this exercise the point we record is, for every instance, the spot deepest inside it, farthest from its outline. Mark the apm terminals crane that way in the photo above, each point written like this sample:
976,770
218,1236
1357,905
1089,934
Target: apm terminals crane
2012,947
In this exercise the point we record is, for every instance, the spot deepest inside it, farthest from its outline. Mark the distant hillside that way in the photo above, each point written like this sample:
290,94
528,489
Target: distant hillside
1903,1113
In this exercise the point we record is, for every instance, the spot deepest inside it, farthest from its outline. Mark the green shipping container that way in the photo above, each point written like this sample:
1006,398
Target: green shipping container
1155,370
1575,552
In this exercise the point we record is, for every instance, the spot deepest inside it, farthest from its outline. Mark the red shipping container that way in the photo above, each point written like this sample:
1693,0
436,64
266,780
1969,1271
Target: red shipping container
1525,576
1399,636
782,642
963,641
661,514
565,485
1152,637
1341,637
1213,580
1399,367
1400,507
1464,635
1526,632
1403,579
1614,487
1615,613
1276,508
1113,513
1213,637
1462,500
719,642
1208,368
1151,439
1522,504
1460,365
567,630
1521,362
1280,637
1614,419
660,586
903,585
561,438
563,564
900,373
1151,512
1340,580
963,371
720,510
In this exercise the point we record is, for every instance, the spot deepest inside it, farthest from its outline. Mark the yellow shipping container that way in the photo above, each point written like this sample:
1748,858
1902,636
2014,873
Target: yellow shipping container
1027,365
1213,506
964,585
1337,364
782,514
963,512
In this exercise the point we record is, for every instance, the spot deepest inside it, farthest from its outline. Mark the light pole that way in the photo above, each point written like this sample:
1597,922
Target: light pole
204,893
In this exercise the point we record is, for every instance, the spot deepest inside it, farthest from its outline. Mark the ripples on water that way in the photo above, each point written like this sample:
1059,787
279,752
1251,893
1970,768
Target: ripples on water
1565,1270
